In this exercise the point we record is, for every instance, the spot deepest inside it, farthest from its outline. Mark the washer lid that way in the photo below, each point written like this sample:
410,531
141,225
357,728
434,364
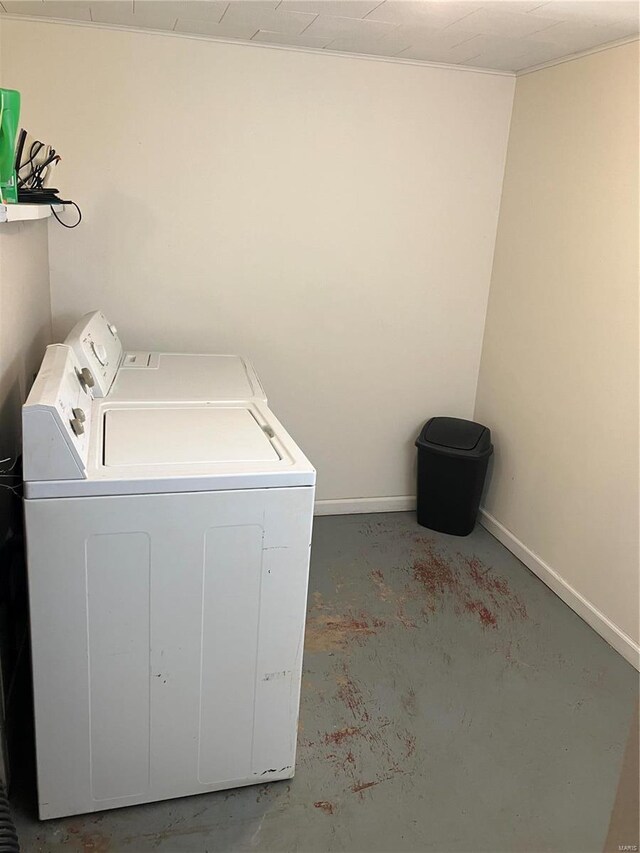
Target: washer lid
172,436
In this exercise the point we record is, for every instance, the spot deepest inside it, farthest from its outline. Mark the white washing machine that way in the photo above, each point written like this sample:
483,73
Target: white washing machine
168,555
157,375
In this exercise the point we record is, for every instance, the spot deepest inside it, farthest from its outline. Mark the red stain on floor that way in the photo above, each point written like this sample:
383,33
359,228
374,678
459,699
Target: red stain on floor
342,734
387,593
328,632
363,786
433,580
436,576
349,693
484,614
496,587
375,740
483,578
474,589
409,744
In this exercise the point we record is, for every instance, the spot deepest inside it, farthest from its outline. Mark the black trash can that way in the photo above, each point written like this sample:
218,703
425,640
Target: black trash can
453,455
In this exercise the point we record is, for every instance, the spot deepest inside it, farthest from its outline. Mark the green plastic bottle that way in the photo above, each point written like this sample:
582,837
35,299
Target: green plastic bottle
9,118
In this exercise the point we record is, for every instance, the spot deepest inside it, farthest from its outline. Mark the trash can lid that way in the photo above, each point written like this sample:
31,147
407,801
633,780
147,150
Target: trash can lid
455,434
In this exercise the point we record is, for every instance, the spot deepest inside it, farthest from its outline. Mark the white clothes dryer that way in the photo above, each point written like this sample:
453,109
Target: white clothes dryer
110,371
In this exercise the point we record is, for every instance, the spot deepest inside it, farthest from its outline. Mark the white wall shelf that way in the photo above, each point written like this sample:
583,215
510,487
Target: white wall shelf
22,212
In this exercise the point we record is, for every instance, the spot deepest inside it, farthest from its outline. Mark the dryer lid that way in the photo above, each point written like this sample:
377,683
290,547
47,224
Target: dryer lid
173,377
183,436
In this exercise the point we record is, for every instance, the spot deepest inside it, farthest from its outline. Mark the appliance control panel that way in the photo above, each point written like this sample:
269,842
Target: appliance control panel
139,359
97,346
56,418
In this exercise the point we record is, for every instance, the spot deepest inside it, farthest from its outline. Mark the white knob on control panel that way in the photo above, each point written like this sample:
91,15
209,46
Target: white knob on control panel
112,329
79,415
86,377
77,426
100,353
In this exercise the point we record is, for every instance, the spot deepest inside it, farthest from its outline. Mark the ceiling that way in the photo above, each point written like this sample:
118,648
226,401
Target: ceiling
503,35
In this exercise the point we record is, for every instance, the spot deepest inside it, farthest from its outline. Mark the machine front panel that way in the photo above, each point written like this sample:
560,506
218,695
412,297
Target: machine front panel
167,636
118,584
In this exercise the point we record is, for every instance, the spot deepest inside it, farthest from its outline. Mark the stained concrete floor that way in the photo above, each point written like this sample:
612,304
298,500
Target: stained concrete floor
450,702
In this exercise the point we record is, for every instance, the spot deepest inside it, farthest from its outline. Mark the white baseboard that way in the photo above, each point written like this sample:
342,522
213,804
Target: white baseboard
617,638
347,506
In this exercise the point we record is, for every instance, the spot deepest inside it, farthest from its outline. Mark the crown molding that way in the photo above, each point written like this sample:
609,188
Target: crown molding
573,56
396,60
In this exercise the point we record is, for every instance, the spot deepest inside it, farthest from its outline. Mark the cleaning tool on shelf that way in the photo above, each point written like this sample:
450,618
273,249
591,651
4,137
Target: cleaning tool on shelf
25,169
9,118
35,162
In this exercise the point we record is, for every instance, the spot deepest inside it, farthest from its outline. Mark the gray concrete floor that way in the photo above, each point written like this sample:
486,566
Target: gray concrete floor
451,702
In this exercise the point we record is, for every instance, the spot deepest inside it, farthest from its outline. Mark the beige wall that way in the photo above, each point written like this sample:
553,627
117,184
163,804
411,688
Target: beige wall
559,376
333,218
25,318
25,321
